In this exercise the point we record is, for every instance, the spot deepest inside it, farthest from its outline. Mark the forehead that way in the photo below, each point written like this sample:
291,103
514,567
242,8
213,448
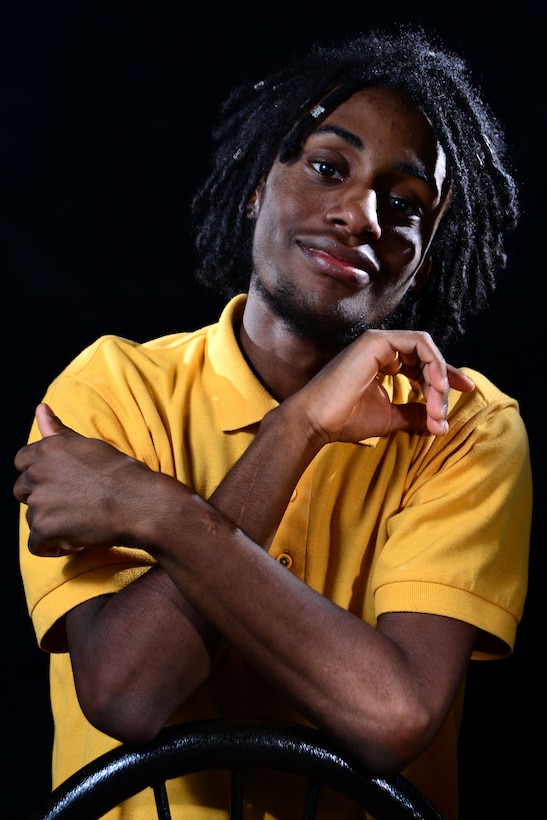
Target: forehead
387,111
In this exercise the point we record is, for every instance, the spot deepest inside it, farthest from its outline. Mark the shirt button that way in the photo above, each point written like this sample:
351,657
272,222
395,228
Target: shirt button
285,559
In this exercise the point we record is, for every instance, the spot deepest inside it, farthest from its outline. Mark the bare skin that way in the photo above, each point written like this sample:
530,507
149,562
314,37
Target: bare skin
383,692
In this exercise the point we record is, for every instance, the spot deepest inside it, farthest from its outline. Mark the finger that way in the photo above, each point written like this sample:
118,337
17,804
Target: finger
412,416
456,378
25,457
434,384
392,366
459,380
51,549
20,489
437,411
48,423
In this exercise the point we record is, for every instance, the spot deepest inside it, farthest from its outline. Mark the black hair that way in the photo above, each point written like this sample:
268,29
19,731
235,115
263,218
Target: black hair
271,119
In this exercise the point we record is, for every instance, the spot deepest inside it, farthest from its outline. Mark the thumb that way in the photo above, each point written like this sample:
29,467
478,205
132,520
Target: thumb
414,417
48,423
411,417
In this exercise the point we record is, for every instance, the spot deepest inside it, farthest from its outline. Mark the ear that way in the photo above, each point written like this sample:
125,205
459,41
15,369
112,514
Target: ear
421,274
253,205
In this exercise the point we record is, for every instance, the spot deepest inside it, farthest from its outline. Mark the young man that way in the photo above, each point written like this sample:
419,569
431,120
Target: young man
301,512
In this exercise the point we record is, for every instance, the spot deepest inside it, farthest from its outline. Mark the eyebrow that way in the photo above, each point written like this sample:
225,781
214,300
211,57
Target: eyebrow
352,139
348,136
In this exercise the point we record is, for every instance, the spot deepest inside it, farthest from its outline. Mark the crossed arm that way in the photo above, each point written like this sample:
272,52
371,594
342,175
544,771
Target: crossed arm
383,692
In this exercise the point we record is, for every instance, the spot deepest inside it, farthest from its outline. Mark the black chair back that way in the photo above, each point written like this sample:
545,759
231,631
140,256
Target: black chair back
234,745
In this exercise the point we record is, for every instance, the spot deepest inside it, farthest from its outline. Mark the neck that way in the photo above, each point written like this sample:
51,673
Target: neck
281,359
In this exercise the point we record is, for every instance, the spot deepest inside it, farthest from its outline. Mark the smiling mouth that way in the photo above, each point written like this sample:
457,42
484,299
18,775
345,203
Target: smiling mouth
338,265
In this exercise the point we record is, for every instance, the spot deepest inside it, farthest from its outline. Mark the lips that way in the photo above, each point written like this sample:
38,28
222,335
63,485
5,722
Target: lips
351,265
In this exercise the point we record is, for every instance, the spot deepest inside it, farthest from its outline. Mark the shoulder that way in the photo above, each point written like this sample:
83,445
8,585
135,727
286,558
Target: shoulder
111,352
487,407
486,392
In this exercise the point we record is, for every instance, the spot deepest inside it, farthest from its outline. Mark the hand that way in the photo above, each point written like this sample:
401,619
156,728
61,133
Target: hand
346,402
79,491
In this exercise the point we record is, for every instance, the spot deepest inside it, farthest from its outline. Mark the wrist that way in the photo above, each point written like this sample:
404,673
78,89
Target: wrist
292,429
154,498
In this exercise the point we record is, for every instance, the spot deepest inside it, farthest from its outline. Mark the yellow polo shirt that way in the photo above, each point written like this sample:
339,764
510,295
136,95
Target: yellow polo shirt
406,522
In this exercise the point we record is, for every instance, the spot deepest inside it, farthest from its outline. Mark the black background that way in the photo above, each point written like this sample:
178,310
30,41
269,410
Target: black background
106,110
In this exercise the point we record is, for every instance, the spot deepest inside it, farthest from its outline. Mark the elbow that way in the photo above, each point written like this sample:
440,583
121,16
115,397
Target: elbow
396,740
119,712
131,729
130,726
392,755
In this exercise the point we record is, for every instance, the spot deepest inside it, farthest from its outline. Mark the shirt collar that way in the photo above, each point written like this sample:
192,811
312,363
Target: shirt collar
240,399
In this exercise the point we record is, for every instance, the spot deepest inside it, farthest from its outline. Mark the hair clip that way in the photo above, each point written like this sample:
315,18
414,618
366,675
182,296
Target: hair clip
316,111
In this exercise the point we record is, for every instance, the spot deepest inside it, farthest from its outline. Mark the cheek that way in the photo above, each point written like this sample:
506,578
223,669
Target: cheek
278,214
269,238
267,229
286,195
404,249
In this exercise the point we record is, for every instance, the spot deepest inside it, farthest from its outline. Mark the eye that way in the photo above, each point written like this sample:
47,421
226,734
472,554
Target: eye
406,206
327,169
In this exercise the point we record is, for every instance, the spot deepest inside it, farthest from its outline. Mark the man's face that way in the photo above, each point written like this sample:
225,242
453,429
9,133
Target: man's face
342,232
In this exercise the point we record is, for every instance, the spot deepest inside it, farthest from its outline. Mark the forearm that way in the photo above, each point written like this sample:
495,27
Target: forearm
137,654
347,677
140,682
256,491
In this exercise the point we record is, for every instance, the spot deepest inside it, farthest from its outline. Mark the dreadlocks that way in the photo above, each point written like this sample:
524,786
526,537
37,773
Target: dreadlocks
271,119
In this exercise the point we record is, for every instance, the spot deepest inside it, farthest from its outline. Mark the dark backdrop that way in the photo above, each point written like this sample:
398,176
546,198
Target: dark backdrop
106,109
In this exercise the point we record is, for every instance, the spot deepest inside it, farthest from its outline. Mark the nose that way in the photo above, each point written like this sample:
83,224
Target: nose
356,211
